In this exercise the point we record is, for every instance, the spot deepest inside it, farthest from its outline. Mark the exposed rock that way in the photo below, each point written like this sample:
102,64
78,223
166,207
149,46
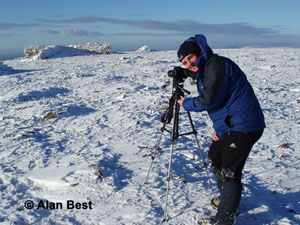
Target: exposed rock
50,115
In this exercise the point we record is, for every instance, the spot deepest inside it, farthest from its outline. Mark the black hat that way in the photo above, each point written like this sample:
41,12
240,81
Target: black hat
186,48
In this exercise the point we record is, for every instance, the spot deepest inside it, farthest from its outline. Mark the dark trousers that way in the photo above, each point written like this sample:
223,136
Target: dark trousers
230,153
228,157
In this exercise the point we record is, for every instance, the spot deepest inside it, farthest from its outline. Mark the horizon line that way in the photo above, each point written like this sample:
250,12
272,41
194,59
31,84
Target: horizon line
11,56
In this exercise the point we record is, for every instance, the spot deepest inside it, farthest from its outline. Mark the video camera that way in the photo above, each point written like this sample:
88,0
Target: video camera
178,73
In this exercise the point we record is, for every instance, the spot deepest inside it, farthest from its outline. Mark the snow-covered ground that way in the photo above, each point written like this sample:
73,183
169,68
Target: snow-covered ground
74,131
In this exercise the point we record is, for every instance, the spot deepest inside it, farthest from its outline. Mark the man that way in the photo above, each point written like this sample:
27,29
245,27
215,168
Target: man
238,121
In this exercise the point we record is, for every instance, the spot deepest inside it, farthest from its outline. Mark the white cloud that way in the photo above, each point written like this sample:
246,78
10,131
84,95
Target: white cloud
81,32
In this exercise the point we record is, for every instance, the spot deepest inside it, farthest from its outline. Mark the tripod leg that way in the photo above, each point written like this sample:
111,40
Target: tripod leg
168,182
204,162
199,148
175,136
155,153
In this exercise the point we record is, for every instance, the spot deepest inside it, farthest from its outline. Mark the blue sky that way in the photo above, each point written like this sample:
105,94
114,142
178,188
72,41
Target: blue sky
160,24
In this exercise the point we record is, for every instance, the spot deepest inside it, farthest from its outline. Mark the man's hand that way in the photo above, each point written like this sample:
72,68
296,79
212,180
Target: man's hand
215,136
180,101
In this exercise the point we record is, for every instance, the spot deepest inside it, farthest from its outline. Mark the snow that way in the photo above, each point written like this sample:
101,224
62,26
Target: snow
108,110
57,51
144,48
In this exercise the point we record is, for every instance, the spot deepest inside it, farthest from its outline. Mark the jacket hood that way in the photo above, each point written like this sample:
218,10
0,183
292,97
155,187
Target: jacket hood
206,52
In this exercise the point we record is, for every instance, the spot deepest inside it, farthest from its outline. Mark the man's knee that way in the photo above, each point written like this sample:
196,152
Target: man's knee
229,175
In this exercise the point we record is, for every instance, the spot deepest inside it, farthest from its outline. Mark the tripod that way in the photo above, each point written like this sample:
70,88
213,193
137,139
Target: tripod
166,119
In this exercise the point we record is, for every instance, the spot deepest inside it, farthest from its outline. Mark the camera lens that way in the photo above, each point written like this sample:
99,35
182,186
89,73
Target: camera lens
171,73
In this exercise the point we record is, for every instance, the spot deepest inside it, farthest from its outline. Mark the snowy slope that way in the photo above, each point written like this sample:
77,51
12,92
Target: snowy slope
104,110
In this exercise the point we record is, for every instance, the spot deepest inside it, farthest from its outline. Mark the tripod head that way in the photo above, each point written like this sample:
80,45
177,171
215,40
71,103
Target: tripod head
179,75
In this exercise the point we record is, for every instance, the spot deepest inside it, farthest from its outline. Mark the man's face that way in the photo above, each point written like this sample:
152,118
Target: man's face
190,62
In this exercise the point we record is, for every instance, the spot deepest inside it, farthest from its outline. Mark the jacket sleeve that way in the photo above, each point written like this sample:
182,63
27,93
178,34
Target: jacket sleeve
214,88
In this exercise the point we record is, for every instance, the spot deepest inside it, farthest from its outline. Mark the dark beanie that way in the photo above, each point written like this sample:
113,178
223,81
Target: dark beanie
188,47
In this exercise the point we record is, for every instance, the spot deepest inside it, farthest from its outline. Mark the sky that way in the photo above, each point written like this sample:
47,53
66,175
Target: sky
159,24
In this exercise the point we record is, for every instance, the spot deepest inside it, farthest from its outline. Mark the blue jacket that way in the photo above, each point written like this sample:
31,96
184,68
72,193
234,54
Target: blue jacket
225,93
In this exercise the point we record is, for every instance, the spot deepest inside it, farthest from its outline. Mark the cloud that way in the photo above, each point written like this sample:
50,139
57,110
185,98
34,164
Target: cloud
51,31
223,34
80,32
7,26
147,34
10,35
177,26
76,20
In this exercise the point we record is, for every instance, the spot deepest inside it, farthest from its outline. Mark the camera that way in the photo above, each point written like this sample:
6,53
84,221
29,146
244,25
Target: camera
178,73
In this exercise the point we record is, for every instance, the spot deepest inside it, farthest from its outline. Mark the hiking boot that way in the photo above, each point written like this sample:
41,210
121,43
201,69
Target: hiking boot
215,202
214,221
